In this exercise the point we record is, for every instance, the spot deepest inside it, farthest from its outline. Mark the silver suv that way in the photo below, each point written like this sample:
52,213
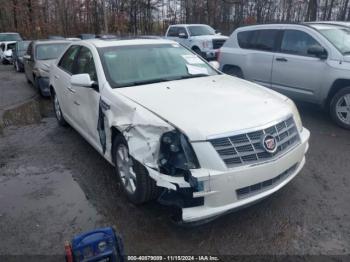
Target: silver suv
308,62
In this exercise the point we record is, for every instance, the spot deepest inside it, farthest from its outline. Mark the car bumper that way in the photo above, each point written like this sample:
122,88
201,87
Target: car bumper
44,84
211,54
223,189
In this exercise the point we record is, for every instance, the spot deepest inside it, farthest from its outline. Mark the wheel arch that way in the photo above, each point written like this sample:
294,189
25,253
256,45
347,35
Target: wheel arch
115,132
230,66
335,88
195,47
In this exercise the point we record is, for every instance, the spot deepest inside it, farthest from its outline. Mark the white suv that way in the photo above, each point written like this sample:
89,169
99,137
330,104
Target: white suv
202,39
308,62
171,123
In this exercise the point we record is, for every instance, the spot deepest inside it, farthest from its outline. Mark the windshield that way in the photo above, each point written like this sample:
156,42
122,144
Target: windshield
197,30
11,46
144,64
50,51
10,37
339,37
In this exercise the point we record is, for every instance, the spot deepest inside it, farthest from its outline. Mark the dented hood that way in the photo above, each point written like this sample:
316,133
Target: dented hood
209,106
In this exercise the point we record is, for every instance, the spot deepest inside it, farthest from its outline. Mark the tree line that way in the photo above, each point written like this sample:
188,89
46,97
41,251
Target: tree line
40,18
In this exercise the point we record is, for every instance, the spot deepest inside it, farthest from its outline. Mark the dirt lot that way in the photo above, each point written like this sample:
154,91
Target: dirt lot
53,185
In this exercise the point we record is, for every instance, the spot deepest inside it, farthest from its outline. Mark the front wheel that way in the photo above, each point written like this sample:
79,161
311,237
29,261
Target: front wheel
340,108
133,176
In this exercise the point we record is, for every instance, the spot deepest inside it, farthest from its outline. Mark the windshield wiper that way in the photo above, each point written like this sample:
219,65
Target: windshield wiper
146,82
193,76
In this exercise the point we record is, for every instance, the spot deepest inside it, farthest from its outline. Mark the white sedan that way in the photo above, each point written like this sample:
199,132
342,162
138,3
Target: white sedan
175,128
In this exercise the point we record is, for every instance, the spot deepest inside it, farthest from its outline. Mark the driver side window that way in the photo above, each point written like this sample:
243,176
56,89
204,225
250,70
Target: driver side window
85,64
67,61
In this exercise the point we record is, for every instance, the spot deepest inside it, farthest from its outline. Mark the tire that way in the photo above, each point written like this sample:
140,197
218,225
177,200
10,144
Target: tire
197,51
233,71
132,175
340,108
57,109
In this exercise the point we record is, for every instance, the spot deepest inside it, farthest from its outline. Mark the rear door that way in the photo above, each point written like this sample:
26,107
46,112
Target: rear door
86,100
295,73
62,83
261,45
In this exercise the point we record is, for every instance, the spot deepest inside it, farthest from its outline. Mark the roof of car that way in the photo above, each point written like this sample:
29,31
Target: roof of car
9,33
119,42
50,41
188,25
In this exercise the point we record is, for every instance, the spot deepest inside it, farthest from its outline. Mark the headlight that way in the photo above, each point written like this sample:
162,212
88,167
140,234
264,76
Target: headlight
296,115
176,154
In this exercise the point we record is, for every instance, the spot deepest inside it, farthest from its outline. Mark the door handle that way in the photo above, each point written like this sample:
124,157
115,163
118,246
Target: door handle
71,90
56,77
76,103
281,59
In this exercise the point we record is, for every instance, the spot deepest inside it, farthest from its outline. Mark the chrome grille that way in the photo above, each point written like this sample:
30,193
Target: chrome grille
218,43
246,149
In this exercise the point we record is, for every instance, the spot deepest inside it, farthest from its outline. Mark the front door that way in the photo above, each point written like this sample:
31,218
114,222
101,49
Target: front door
86,99
295,73
62,83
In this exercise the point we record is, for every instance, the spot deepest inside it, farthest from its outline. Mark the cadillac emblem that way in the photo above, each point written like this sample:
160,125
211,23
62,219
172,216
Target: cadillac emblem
269,143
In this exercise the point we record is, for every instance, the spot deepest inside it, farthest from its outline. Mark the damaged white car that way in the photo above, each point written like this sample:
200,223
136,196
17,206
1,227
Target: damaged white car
175,128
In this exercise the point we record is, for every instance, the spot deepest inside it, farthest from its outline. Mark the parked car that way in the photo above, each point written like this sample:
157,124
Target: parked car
202,39
103,36
10,37
18,52
73,39
6,52
55,37
37,61
307,62
86,36
170,122
340,23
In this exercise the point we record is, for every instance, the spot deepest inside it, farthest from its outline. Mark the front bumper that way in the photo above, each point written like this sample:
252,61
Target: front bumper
211,54
221,194
43,84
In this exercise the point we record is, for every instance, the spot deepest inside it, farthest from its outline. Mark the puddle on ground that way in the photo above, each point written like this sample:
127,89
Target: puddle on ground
42,205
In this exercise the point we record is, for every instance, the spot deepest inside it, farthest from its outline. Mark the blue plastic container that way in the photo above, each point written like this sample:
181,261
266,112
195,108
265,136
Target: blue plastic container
101,245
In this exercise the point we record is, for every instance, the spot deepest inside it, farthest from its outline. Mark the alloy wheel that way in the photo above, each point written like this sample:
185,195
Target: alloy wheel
57,108
343,109
125,168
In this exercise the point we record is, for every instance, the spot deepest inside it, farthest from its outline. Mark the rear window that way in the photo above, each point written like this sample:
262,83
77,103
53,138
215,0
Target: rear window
263,40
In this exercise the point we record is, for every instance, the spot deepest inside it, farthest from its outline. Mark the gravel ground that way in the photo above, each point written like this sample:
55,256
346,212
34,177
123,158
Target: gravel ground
53,184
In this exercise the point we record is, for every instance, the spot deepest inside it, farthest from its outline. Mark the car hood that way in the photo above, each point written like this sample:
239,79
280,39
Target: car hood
210,37
210,106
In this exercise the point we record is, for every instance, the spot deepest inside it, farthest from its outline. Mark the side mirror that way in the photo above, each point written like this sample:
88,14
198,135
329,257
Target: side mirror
82,80
318,51
27,57
217,32
183,35
215,64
